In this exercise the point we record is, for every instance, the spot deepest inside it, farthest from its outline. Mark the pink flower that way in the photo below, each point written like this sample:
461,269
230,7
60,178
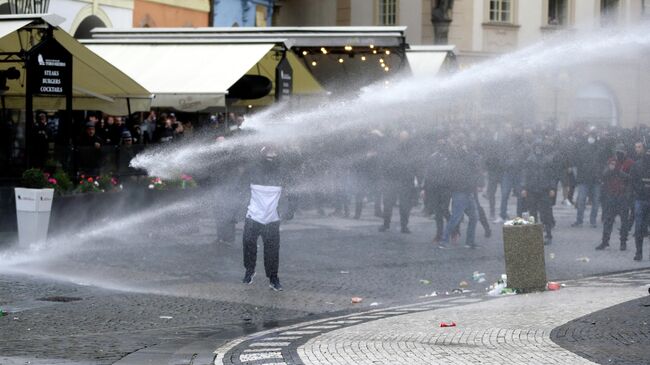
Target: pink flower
90,179
113,181
186,177
52,180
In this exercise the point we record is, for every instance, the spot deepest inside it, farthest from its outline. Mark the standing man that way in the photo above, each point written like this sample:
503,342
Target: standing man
464,182
539,187
640,178
399,184
266,180
615,196
589,164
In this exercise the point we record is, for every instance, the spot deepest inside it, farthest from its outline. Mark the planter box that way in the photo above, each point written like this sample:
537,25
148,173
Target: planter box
81,211
33,207
524,255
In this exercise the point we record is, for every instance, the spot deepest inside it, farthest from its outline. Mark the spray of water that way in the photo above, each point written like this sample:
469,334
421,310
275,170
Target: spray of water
329,134
411,102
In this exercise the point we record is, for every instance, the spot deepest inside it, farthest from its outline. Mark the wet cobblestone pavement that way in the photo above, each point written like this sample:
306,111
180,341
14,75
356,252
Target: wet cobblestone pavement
130,284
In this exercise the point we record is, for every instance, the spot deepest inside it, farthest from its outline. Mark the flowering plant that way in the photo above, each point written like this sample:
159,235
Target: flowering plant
89,184
157,183
37,179
183,182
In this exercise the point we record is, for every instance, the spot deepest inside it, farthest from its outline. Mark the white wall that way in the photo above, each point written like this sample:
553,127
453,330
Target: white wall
530,20
410,14
586,16
362,12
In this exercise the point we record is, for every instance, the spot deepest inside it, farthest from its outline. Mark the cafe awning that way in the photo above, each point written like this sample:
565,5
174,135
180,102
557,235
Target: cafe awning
427,60
96,84
185,75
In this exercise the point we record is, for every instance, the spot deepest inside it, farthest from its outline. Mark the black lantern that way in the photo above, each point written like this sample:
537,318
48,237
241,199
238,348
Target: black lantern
29,6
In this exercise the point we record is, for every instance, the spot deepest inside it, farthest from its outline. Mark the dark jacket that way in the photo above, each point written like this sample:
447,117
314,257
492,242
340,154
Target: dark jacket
540,173
640,178
589,162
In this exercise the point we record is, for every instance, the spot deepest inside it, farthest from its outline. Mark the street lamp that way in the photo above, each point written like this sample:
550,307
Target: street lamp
29,6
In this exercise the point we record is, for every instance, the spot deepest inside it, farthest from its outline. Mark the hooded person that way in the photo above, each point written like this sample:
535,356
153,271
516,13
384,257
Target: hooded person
267,180
615,196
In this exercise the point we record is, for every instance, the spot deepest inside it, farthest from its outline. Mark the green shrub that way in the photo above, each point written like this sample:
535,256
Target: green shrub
34,179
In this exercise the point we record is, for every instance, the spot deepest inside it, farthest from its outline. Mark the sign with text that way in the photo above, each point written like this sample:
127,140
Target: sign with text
283,79
49,69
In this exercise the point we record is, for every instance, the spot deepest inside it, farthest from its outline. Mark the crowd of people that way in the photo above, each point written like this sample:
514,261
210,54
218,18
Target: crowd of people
106,143
448,167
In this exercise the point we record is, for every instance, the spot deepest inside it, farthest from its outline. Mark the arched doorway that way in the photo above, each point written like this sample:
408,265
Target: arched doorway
88,24
595,104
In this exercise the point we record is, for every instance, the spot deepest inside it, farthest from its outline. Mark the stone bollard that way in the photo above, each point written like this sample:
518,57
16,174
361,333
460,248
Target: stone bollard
523,246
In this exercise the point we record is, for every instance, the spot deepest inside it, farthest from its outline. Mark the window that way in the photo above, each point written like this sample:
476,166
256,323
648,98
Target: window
557,12
387,12
501,11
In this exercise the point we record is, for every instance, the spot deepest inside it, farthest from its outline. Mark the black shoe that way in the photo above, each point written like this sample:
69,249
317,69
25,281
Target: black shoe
383,228
548,241
406,230
602,246
275,284
248,278
472,246
623,246
637,257
576,224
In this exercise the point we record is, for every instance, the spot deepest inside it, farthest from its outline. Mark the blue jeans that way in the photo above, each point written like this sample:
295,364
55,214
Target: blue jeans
584,191
641,215
462,203
510,182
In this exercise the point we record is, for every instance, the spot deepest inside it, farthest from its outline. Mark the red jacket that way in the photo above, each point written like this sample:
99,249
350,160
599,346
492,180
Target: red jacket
617,182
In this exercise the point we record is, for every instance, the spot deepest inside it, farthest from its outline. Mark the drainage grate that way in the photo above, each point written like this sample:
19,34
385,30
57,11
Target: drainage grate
59,299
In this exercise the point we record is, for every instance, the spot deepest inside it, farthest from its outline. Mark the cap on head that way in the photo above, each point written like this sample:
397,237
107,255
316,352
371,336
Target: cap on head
90,125
126,135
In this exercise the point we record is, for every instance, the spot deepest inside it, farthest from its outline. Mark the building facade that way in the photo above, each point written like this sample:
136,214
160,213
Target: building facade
613,92
243,13
171,13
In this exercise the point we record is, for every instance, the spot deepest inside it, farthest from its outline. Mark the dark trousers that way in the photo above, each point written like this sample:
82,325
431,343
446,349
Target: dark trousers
615,206
271,237
440,199
641,217
482,218
405,196
494,179
540,206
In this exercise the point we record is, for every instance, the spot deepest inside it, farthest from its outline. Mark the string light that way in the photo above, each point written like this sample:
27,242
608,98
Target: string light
381,60
374,51
363,58
313,63
386,69
304,53
340,60
372,46
387,52
250,106
322,49
348,48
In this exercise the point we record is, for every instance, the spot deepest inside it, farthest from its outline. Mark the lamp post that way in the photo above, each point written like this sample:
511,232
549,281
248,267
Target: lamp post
29,6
